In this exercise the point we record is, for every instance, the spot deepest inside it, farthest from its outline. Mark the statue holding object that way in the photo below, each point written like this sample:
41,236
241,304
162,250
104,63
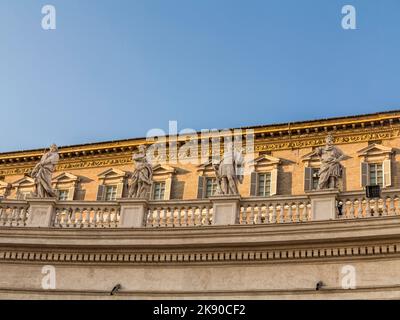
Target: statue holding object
142,178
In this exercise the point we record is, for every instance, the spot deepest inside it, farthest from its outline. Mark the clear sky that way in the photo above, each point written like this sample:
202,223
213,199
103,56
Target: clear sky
113,69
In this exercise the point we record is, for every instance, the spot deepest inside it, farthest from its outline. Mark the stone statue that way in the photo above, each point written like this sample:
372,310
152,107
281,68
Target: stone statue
42,173
142,178
228,171
331,169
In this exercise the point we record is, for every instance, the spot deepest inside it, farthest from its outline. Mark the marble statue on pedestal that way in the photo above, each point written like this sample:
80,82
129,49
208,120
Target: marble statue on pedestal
331,169
43,172
142,178
228,171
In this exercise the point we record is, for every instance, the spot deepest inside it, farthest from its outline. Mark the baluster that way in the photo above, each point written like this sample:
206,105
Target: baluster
175,218
273,216
64,217
106,216
208,216
290,213
376,208
12,217
100,217
304,215
22,218
178,214
282,214
259,208
392,210
296,212
79,216
252,213
203,212
171,217
368,208
57,218
156,220
185,216
397,207
384,207
351,203
243,215
85,217
360,209
2,214
192,217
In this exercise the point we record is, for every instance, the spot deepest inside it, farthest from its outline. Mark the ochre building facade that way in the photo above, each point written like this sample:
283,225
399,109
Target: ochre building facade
280,151
275,240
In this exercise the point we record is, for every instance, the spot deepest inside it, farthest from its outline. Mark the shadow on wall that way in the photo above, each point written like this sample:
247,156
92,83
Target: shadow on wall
284,182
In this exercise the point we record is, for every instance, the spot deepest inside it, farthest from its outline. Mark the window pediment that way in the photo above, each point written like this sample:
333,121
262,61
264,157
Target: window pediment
311,159
375,151
65,177
23,182
160,169
265,161
206,168
112,173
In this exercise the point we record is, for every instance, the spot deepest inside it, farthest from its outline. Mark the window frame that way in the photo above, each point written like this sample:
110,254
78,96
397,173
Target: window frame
161,195
113,194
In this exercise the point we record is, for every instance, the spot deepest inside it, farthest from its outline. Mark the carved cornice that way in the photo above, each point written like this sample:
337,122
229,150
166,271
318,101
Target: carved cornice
238,255
270,138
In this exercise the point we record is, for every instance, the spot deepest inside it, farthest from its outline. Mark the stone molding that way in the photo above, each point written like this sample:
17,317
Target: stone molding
378,238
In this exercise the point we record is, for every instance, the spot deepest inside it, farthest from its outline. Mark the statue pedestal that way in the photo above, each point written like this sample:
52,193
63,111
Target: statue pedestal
226,209
323,204
42,212
133,213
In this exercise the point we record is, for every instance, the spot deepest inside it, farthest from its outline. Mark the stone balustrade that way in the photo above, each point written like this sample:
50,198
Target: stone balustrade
74,214
13,213
275,210
179,213
134,213
354,205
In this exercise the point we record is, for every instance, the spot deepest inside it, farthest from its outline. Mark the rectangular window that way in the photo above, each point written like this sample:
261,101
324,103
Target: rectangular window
111,193
159,190
62,195
315,178
211,187
375,174
264,184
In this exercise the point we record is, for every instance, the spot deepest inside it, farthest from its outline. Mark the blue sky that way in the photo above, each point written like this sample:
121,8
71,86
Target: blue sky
113,69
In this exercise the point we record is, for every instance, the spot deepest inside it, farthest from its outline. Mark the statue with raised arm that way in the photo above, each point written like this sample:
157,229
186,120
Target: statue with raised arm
228,171
331,169
43,172
142,178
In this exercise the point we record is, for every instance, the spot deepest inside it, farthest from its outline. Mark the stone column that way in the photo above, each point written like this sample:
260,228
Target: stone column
226,209
41,212
323,204
133,213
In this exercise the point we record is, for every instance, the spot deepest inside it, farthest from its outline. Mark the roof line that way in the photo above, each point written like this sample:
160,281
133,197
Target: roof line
266,126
